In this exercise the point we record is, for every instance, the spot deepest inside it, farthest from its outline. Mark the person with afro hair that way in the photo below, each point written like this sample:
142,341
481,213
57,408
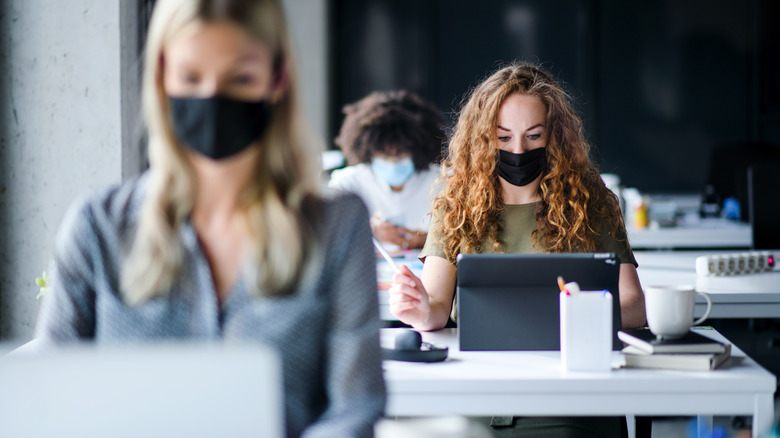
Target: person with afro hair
392,142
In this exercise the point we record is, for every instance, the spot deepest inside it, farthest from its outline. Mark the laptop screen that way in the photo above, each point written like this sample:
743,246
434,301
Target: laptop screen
511,301
152,390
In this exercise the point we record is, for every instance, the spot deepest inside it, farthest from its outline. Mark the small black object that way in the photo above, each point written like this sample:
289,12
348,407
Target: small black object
408,340
410,348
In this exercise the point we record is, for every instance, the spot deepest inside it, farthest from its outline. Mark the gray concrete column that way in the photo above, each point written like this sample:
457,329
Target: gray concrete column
60,133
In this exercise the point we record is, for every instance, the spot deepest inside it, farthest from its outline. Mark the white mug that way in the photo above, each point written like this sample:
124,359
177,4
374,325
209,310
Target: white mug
670,310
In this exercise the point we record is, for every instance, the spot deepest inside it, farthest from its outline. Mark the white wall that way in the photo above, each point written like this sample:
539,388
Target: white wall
68,121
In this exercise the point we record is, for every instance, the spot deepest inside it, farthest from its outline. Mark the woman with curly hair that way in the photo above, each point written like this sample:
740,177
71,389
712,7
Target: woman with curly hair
392,142
518,180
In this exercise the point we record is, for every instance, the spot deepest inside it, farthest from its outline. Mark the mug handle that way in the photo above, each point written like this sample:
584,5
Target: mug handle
706,312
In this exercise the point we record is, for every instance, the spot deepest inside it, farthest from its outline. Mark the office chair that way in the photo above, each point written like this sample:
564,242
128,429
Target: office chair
728,166
764,204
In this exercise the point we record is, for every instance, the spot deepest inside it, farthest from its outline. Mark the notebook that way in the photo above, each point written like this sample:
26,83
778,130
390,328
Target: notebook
636,358
142,391
511,301
692,342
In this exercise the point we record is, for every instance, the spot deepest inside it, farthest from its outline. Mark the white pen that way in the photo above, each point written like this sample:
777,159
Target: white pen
385,255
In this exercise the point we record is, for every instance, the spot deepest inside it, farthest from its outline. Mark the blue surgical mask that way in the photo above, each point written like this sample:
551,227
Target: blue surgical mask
394,173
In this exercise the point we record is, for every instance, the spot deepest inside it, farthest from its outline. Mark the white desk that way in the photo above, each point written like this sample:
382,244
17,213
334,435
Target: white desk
713,233
532,383
739,296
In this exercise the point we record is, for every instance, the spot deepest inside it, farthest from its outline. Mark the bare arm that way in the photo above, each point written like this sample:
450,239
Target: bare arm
416,239
632,299
424,304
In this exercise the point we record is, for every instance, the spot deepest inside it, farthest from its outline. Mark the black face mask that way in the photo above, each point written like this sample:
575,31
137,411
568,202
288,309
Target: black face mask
219,127
521,169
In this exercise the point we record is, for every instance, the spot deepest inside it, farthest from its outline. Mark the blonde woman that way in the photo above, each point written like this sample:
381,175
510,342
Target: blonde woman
518,179
226,236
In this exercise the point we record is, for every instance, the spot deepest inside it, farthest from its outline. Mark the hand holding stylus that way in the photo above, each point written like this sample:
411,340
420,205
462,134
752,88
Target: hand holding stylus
407,294
408,298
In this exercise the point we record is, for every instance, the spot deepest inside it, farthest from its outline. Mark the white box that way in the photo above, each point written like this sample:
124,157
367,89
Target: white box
586,331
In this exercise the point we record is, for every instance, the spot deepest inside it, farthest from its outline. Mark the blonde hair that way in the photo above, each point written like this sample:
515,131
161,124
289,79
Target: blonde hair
285,179
572,191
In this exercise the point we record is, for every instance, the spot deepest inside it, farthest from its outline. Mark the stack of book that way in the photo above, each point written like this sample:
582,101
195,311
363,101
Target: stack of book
691,352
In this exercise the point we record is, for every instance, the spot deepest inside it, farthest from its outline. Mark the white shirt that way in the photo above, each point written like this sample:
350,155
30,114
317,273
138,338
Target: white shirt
410,207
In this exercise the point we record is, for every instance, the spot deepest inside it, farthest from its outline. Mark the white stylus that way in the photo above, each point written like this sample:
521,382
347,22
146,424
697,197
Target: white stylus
385,254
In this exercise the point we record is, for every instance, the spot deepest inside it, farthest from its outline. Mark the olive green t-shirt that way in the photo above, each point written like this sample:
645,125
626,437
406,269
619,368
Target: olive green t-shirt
518,221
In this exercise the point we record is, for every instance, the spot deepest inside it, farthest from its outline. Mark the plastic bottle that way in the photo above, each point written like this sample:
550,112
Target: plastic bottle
731,209
640,214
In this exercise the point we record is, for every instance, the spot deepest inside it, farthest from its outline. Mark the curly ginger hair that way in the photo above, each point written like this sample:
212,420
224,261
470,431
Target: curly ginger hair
469,207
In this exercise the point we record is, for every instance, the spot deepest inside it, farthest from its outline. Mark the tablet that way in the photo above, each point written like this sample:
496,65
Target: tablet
511,301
